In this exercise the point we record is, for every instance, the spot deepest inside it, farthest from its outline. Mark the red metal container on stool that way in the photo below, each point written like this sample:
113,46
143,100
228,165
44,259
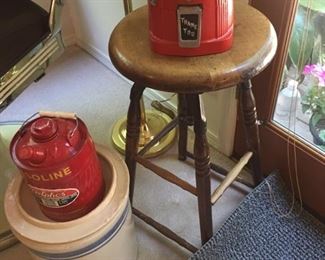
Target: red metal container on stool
190,27
58,159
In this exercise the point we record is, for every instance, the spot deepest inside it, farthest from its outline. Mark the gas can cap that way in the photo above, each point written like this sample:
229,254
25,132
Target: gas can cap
43,129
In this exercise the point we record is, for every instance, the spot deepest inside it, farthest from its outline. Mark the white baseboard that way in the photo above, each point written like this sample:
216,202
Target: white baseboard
151,94
96,53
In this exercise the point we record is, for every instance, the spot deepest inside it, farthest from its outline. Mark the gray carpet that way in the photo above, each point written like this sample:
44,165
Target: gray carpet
255,231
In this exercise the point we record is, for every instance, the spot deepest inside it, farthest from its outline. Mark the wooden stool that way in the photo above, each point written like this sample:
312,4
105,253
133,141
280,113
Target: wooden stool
253,49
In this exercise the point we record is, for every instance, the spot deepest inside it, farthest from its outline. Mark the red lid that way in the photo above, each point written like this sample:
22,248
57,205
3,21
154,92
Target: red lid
46,142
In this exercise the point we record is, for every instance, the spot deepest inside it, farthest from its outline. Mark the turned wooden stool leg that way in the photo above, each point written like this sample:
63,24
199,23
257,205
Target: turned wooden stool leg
202,168
182,127
248,111
132,134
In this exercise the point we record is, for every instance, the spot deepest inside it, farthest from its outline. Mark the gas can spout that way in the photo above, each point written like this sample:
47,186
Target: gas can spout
31,154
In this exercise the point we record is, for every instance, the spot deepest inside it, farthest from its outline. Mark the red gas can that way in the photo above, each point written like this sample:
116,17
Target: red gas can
190,27
58,159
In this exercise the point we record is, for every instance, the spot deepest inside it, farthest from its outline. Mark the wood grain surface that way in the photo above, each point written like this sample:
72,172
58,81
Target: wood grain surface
254,46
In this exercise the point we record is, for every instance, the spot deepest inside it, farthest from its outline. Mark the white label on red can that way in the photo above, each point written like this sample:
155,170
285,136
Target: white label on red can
55,198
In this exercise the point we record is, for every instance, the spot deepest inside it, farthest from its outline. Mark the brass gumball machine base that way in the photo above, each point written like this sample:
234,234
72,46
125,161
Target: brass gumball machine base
155,122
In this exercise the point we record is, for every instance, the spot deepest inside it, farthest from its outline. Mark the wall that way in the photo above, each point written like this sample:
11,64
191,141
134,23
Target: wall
68,32
68,29
93,22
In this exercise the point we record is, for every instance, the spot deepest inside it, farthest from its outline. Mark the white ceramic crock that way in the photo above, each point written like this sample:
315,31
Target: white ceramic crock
107,232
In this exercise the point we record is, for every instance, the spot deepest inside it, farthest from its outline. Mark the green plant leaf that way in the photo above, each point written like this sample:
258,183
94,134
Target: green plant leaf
304,108
323,109
316,118
322,135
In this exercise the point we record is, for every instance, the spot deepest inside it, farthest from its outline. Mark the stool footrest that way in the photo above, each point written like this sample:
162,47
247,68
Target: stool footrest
167,175
230,178
164,230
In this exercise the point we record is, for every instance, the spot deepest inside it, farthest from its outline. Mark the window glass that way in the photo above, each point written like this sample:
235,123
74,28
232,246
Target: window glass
300,105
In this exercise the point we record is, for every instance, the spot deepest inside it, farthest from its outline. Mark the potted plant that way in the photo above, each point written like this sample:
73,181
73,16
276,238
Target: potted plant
313,101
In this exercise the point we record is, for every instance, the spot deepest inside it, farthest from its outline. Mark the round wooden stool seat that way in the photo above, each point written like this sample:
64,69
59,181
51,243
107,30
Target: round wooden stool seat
253,48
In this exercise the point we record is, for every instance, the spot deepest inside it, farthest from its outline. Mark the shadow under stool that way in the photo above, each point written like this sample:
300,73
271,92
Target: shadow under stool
253,49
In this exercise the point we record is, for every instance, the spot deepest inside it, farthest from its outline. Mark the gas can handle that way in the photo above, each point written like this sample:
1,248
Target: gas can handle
66,115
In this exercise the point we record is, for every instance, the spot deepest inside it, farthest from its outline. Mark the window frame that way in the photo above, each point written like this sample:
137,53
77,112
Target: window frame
274,139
